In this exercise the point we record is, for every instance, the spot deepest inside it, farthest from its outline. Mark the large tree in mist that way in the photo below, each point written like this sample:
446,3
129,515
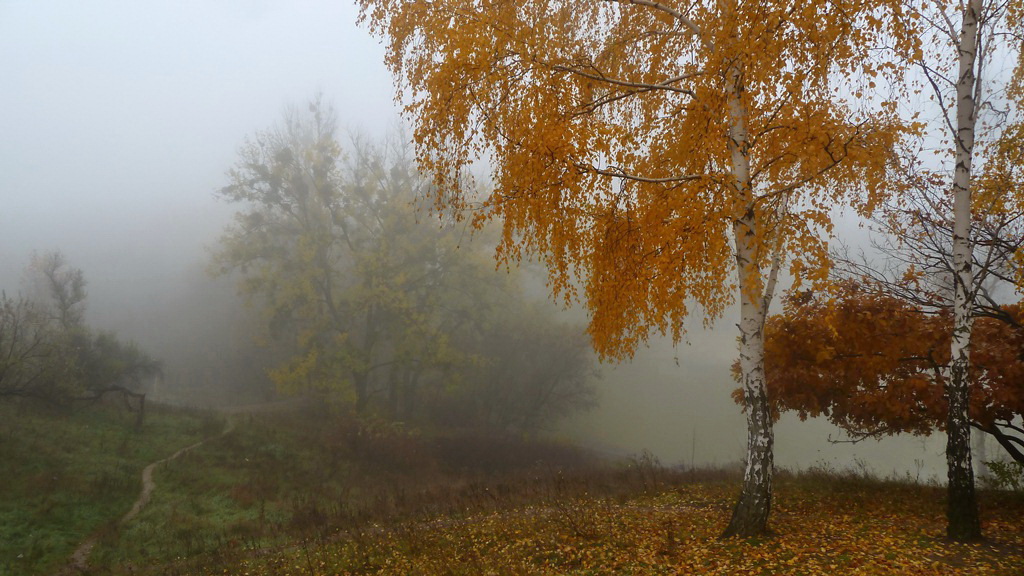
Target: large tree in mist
662,156
363,292
318,247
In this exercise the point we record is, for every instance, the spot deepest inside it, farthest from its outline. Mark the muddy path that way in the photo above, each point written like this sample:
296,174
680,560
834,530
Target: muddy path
78,563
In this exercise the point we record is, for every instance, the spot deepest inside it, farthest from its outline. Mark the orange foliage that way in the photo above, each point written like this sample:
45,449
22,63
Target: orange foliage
872,363
663,154
611,130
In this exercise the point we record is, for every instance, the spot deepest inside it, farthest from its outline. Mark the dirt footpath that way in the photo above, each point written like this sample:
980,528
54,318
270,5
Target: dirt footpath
79,561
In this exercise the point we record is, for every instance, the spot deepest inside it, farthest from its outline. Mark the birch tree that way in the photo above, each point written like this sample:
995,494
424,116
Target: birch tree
977,32
962,514
661,157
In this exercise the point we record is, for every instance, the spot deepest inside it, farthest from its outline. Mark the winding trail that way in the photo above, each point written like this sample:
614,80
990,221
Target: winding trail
79,561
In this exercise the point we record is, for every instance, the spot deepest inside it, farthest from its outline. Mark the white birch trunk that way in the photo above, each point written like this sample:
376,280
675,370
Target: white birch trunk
962,512
750,516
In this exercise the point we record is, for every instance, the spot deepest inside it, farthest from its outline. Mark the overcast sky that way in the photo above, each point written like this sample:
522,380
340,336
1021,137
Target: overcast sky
119,119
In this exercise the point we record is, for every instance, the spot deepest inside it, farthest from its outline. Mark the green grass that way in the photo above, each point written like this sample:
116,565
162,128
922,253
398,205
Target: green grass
70,474
243,489
285,477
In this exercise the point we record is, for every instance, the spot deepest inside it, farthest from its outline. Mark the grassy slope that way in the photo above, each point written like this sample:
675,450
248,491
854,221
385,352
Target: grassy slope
68,475
314,494
285,477
303,496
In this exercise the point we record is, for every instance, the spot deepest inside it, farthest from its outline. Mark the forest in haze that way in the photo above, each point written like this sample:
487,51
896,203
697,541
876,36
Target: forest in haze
449,287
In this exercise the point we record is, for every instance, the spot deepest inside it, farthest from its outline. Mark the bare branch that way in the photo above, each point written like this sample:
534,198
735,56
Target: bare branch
616,172
679,16
644,86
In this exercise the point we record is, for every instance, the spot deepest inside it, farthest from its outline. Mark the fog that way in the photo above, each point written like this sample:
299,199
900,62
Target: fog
119,121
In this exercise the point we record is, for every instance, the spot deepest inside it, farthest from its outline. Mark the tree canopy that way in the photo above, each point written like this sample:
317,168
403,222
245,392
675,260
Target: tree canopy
664,156
610,129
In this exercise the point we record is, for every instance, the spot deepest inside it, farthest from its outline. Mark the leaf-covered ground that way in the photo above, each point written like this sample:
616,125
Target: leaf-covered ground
821,527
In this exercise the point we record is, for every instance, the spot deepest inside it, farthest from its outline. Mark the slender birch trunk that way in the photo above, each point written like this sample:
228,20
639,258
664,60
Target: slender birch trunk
962,512
750,516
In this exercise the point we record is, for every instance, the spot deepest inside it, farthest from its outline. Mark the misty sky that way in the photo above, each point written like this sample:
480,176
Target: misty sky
120,119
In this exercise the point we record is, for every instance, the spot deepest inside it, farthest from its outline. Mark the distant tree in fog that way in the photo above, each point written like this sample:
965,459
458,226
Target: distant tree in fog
42,333
47,351
62,287
369,294
329,247
32,361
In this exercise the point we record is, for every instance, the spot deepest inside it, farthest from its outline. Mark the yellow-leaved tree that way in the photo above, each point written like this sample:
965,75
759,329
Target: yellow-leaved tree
328,244
667,156
367,301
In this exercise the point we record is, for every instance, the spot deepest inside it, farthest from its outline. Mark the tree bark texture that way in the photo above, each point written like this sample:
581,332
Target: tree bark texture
962,512
750,516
